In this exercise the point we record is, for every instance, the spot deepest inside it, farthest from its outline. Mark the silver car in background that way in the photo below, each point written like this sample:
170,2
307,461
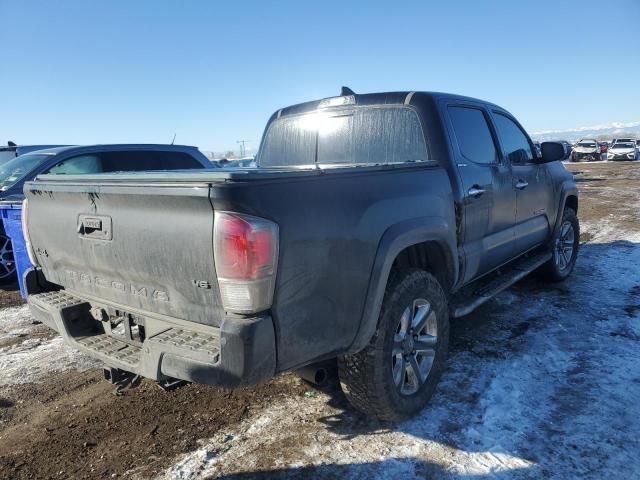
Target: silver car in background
587,149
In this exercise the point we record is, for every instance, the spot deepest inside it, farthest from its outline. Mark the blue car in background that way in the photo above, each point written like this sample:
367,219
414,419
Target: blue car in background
85,159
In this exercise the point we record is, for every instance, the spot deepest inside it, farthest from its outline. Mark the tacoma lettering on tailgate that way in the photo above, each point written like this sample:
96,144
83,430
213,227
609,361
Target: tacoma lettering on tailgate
127,288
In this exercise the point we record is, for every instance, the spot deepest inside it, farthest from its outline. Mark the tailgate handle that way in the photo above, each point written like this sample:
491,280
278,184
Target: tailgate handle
95,227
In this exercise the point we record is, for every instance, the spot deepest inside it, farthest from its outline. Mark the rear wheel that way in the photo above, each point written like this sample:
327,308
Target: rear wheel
7,263
564,248
396,374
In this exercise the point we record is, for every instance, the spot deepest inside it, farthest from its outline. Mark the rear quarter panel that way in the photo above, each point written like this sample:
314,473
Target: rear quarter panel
330,230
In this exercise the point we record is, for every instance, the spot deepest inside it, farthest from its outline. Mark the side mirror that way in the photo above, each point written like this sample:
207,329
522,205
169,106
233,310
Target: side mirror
552,152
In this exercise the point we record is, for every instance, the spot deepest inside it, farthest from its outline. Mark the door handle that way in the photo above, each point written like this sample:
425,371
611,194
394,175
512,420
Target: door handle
475,191
521,184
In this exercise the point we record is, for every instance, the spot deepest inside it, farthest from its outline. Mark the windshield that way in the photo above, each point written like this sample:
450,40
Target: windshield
14,170
587,144
357,135
623,145
6,155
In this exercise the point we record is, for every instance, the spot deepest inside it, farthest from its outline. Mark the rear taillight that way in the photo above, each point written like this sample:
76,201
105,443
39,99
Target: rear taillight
246,253
25,232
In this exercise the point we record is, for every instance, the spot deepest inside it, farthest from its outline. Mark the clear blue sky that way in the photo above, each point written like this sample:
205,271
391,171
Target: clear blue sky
213,72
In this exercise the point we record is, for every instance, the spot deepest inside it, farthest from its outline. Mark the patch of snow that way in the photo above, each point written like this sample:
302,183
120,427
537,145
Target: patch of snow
33,358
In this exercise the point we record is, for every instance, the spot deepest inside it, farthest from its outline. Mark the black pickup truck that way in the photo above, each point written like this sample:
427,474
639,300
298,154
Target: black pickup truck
369,221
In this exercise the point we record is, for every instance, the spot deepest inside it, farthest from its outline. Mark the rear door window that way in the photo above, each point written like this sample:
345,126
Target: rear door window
359,135
77,165
126,161
473,134
514,141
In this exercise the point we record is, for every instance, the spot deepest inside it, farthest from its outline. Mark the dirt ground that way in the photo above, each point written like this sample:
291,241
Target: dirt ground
10,296
610,192
74,426
523,396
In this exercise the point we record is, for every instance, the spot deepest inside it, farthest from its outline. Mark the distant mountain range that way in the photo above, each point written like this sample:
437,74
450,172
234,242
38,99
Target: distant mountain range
614,129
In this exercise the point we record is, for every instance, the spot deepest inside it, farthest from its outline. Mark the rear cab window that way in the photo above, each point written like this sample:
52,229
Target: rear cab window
346,136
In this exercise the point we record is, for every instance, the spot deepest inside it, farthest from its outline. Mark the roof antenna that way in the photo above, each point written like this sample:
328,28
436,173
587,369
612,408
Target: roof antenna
11,144
346,91
174,139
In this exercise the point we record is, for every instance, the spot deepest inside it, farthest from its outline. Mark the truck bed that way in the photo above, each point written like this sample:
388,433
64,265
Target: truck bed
232,174
159,252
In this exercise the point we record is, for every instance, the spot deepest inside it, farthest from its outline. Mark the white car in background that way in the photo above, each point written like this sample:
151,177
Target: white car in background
623,149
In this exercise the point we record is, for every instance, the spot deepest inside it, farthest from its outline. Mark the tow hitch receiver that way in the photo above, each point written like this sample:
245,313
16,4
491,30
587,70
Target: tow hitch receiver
117,376
122,379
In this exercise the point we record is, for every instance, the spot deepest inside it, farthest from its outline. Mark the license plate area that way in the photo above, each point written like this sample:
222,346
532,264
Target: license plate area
122,325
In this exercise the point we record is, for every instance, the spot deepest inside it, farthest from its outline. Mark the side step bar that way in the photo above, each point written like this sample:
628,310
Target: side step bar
466,301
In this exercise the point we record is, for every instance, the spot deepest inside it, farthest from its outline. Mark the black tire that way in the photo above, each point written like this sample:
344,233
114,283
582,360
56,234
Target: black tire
7,263
561,264
367,377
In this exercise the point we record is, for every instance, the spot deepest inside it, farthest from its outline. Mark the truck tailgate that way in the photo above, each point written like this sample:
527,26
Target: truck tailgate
140,247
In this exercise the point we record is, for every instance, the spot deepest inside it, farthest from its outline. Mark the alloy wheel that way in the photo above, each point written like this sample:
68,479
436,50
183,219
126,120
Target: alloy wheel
563,251
414,347
7,263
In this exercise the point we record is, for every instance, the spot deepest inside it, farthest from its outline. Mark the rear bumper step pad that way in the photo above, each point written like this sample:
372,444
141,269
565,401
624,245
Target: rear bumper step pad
241,352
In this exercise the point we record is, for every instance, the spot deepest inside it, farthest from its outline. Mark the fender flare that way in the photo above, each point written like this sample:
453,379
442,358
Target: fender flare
395,239
567,190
